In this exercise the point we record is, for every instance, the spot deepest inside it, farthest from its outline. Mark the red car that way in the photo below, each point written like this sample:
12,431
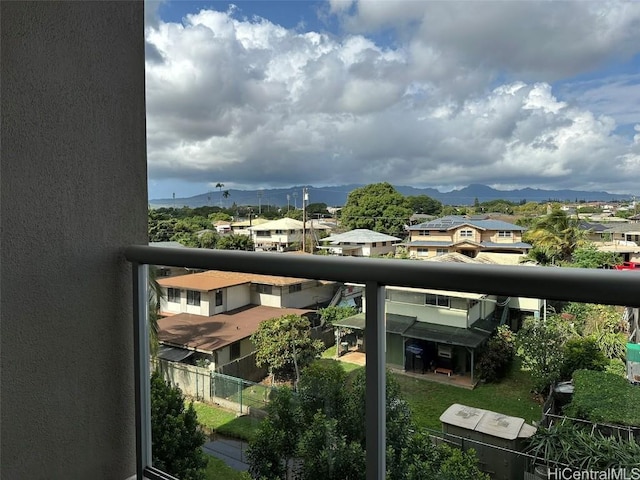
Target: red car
628,266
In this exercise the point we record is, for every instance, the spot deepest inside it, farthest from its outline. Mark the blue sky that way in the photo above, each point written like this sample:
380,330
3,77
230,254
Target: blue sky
430,94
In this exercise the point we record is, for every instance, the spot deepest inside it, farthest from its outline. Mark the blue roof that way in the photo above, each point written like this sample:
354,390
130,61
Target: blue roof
454,221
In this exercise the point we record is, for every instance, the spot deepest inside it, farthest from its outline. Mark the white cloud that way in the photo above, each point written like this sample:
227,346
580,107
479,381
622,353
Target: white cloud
248,102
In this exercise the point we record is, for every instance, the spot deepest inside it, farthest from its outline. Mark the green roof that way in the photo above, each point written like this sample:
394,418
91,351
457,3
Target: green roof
464,337
394,324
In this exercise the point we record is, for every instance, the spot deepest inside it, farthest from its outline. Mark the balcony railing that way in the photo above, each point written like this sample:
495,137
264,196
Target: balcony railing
579,285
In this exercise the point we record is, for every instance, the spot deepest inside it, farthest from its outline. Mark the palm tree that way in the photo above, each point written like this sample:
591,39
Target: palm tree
155,298
226,194
220,186
554,237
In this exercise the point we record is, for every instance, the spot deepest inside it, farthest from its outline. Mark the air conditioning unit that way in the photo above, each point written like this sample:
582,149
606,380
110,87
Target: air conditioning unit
444,351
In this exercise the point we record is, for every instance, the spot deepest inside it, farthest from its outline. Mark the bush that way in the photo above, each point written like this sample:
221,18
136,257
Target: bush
582,354
605,398
497,357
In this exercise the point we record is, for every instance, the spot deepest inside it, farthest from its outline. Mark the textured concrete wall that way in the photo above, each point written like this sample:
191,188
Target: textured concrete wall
73,195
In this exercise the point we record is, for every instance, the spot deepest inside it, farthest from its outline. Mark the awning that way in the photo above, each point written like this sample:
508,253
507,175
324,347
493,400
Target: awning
394,324
464,337
173,354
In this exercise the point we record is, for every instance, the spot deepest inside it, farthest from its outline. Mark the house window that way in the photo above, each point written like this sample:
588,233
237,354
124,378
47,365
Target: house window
263,234
466,233
264,288
235,351
193,298
423,251
218,298
280,232
504,234
424,233
173,295
295,288
374,244
441,251
437,300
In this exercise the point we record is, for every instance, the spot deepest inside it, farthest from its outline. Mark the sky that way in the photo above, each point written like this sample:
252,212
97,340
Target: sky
274,94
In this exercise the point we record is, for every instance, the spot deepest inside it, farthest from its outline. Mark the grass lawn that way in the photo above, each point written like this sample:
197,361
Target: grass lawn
255,396
217,469
225,422
428,400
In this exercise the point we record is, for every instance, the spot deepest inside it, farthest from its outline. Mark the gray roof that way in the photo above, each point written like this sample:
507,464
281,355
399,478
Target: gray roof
454,221
505,246
466,337
622,228
360,235
426,243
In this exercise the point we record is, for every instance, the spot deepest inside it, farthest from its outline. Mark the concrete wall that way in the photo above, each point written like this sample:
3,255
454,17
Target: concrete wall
238,296
73,195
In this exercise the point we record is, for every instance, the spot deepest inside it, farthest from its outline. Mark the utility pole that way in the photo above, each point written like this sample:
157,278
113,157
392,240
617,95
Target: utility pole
260,202
295,200
305,198
288,198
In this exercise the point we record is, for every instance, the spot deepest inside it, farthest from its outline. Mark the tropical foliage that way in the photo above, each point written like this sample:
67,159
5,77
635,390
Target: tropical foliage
377,207
176,437
285,347
497,356
554,238
320,434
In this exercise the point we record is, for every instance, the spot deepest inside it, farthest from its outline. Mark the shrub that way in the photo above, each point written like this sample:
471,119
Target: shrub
497,356
582,354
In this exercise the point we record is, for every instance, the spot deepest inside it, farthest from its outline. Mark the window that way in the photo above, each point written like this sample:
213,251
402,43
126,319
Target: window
218,298
424,233
437,300
264,288
234,351
466,233
441,251
193,298
295,288
504,234
264,233
173,295
280,232
423,251
374,244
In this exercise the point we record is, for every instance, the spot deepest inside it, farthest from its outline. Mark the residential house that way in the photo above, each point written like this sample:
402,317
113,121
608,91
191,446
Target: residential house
622,239
359,243
214,312
282,234
466,235
241,227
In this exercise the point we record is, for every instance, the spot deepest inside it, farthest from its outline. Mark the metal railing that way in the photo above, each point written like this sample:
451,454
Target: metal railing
590,286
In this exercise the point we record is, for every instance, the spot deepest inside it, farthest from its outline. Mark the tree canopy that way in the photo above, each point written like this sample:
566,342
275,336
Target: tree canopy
284,346
176,437
377,207
554,237
424,204
320,433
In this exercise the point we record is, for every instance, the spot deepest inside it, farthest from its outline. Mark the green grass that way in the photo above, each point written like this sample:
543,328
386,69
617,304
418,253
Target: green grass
226,423
255,396
429,400
216,469
348,367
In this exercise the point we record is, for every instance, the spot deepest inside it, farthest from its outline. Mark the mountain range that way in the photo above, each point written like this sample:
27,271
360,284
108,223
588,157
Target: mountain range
337,196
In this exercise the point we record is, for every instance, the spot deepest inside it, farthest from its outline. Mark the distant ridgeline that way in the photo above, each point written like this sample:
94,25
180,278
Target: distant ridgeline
337,196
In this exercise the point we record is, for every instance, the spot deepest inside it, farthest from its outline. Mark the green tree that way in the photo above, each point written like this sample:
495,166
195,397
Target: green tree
208,239
284,345
335,313
377,207
424,204
220,186
176,437
295,214
497,356
582,353
554,237
588,256
235,241
540,345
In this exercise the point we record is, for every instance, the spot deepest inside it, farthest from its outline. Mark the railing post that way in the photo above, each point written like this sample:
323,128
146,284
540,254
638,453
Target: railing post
142,378
375,390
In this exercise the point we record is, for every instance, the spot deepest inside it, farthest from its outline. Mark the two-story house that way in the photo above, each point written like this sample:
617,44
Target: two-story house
214,313
359,243
466,235
281,234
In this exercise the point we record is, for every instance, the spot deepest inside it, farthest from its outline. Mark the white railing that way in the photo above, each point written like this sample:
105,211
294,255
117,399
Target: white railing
590,286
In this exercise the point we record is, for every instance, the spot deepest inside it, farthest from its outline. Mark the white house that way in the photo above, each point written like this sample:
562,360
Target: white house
281,234
359,243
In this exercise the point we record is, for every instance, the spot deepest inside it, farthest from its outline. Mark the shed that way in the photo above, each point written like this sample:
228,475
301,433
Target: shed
477,428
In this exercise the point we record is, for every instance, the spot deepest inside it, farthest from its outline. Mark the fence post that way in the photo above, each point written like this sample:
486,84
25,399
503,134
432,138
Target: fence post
240,394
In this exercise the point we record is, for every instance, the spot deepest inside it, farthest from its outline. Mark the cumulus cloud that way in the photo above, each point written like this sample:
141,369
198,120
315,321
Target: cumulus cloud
251,103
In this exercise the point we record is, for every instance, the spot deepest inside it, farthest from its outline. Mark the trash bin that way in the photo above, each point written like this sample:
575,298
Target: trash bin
344,348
